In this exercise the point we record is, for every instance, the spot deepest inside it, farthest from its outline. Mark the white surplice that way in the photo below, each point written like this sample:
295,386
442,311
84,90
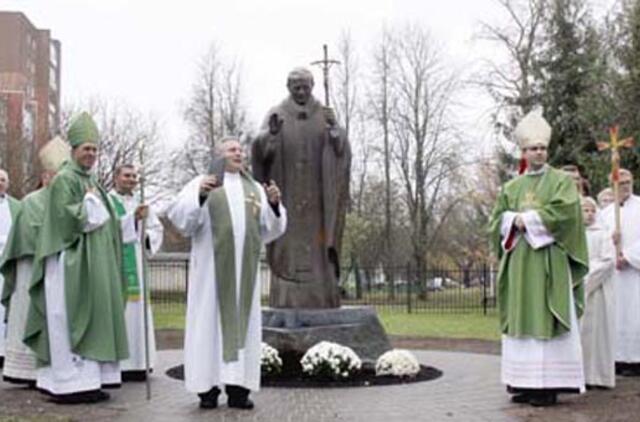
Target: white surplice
203,363
68,372
5,228
134,311
541,364
627,281
20,361
597,326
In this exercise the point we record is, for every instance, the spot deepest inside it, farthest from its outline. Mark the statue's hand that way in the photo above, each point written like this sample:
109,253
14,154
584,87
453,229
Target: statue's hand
275,124
330,116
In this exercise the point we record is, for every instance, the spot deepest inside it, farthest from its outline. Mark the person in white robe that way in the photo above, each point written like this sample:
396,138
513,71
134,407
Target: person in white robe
597,326
8,209
626,277
537,364
75,323
223,328
605,197
17,264
128,207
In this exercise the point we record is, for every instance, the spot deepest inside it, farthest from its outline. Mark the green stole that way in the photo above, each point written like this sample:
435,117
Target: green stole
234,319
129,261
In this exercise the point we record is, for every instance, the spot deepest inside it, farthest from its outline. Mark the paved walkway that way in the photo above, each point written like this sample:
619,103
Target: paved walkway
469,390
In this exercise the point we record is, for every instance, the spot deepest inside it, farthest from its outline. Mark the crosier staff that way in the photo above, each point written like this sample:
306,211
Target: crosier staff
614,145
143,252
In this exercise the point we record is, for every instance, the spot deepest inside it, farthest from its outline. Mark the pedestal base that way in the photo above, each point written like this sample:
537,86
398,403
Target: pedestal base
296,330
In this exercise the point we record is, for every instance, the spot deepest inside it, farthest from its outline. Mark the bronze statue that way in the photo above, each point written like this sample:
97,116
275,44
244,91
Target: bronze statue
302,148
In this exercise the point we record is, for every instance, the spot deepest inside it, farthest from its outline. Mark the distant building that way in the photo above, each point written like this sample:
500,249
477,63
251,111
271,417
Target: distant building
29,97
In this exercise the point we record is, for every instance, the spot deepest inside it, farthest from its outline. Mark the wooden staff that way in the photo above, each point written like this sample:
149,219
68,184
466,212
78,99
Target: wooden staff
145,287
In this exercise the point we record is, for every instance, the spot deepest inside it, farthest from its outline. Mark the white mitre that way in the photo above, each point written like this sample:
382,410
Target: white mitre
53,154
533,129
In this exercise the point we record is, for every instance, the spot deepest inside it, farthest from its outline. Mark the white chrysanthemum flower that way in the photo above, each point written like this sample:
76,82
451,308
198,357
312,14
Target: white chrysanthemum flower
399,363
270,361
330,359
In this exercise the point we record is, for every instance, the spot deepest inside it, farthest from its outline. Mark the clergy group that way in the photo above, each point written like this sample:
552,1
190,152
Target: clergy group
568,280
74,275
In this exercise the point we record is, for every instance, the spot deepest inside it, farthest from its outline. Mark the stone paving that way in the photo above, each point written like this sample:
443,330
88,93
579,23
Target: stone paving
469,390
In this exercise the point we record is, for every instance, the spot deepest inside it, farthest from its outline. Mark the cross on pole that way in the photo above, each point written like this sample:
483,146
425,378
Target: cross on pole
325,64
615,145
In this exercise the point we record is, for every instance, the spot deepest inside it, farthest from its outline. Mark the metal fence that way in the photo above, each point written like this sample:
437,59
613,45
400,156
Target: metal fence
442,290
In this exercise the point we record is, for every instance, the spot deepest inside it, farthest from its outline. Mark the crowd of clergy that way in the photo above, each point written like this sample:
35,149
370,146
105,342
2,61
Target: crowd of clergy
568,280
72,274
72,320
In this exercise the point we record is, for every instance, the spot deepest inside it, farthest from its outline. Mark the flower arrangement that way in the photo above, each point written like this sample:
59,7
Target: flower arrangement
399,363
270,362
331,360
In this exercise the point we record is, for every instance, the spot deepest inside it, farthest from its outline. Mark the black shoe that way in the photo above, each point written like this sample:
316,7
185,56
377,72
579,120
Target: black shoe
238,397
521,398
246,404
543,399
113,386
20,381
85,397
209,400
134,376
1,361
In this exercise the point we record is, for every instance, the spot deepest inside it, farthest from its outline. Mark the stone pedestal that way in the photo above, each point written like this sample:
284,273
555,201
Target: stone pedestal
296,330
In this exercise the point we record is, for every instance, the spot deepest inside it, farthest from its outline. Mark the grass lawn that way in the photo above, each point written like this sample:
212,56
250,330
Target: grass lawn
396,322
445,325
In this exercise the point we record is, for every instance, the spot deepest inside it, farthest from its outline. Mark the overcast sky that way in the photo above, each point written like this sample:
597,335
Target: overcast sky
145,52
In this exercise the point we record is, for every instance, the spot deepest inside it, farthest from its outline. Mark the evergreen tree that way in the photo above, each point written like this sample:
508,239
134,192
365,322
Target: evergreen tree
627,79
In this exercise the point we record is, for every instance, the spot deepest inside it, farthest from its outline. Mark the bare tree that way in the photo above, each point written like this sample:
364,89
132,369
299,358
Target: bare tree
511,84
123,131
426,140
215,108
381,102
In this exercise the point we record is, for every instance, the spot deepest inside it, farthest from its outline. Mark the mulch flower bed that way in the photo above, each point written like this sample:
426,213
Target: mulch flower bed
293,377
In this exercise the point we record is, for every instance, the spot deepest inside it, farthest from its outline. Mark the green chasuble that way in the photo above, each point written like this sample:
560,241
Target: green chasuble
533,285
22,240
234,310
95,290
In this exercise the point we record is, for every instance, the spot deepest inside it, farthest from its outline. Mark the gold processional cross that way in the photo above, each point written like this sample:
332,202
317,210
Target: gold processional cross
614,145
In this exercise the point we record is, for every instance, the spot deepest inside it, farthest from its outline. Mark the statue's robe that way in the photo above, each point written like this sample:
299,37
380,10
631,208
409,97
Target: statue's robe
627,281
9,208
223,331
75,324
125,206
540,281
311,164
16,267
597,326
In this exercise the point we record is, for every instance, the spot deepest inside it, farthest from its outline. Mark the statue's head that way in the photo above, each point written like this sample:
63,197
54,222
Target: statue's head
300,85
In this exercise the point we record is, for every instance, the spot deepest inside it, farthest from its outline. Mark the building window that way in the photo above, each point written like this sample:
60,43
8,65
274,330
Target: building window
53,54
